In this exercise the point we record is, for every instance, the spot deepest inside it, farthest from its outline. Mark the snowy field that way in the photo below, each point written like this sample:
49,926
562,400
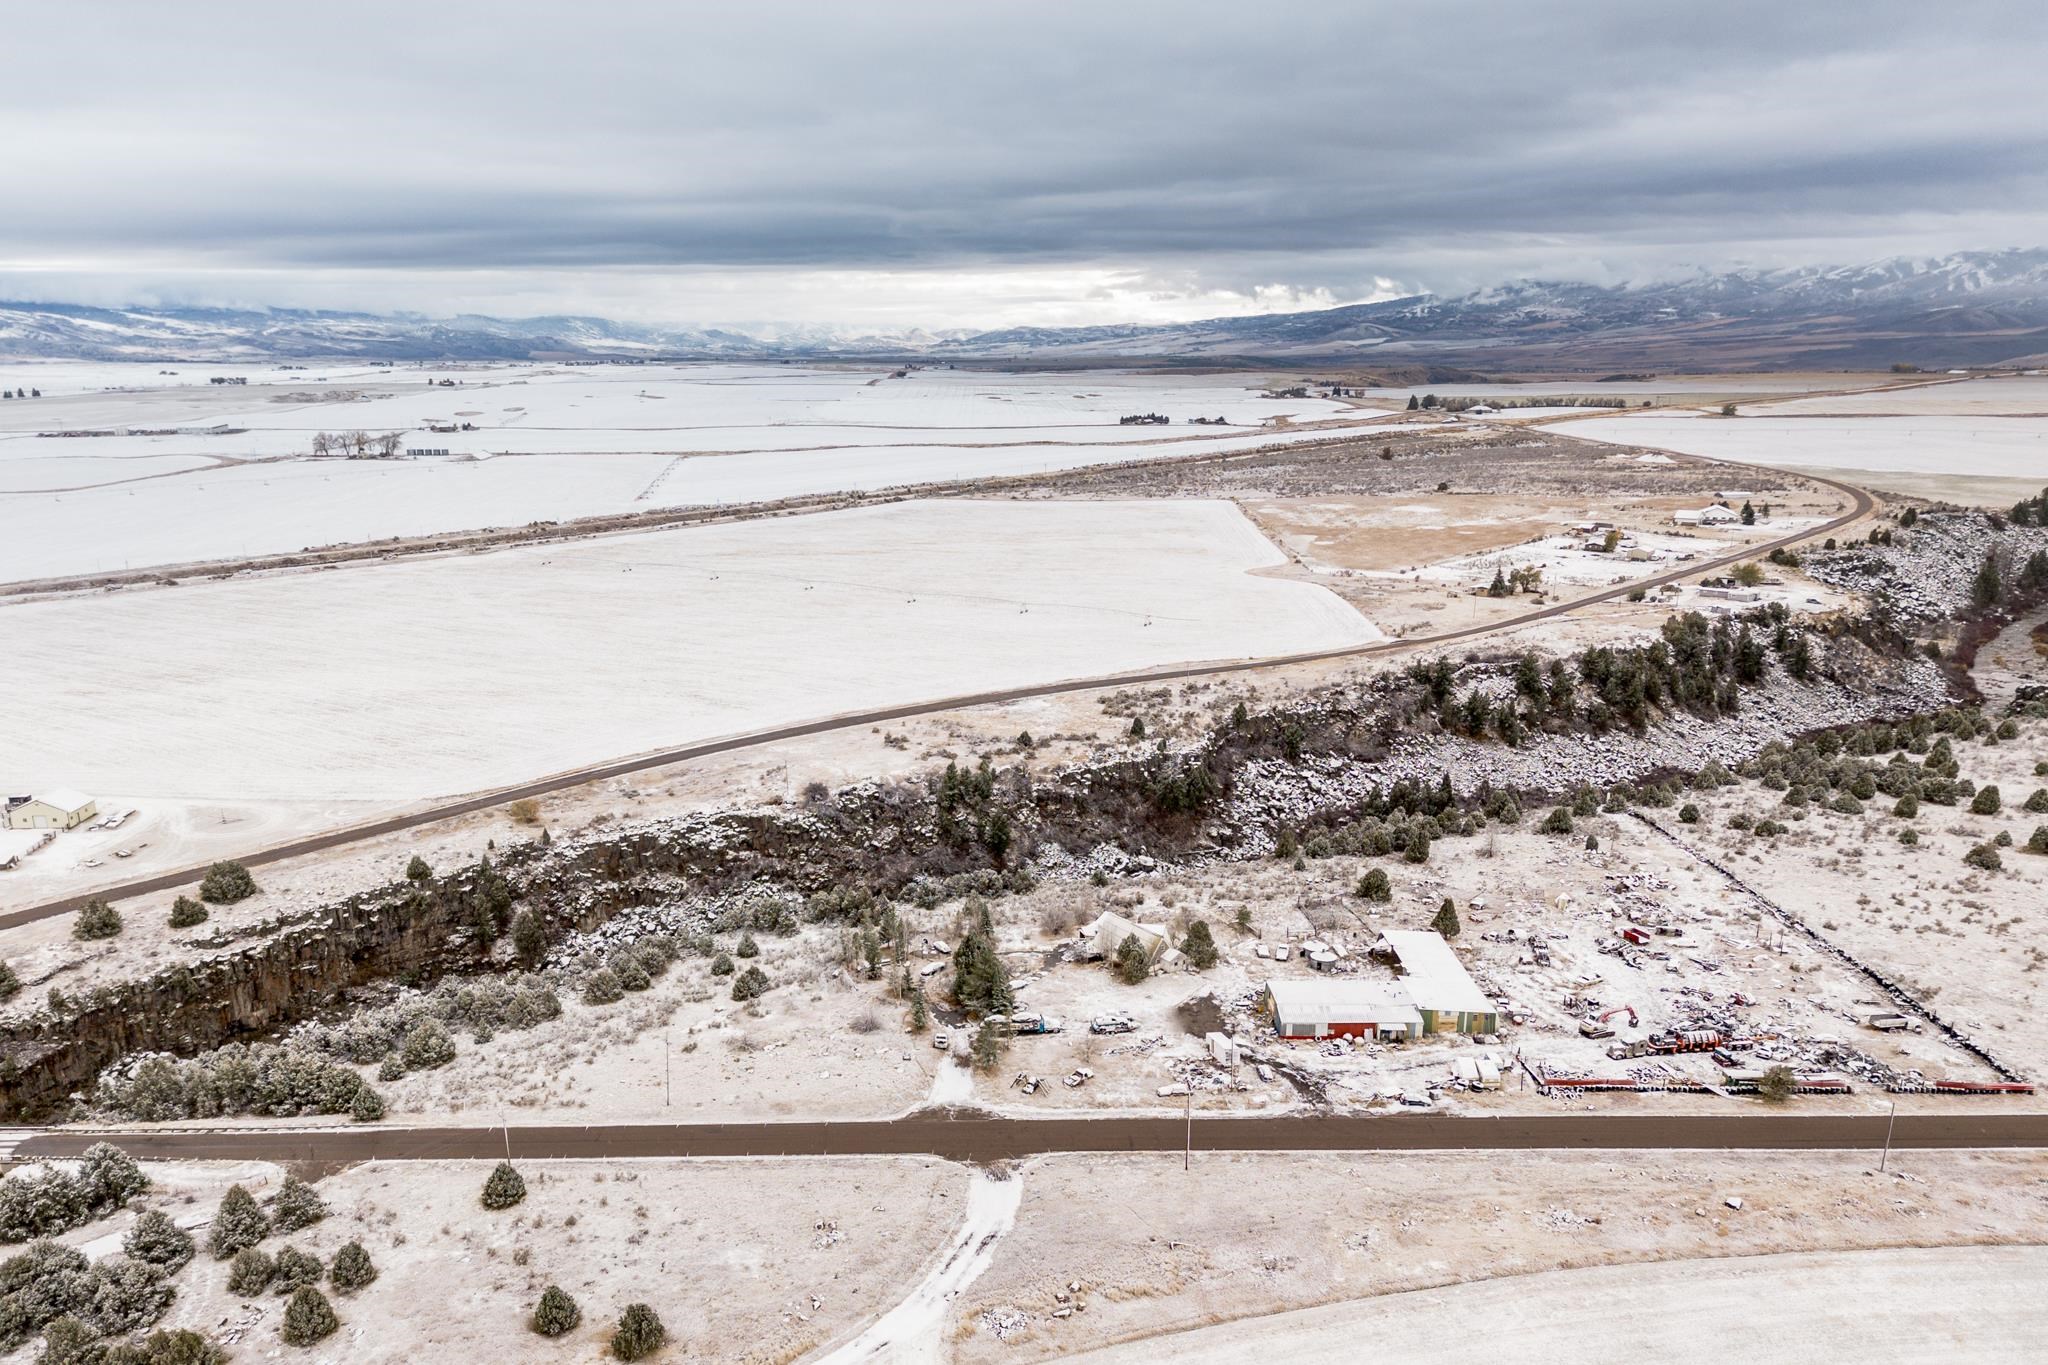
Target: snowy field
549,443
2005,396
2008,447
392,682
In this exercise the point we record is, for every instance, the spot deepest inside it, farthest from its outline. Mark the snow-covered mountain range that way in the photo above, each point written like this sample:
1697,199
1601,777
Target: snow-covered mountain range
1968,308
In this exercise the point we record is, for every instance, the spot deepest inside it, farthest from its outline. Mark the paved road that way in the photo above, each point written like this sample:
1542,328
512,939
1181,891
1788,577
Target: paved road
1861,505
975,1136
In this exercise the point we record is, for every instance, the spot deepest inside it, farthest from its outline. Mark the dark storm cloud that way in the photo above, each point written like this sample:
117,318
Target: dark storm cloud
1159,137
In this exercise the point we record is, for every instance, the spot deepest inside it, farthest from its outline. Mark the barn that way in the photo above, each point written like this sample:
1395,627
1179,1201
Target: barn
54,809
1324,1007
1436,983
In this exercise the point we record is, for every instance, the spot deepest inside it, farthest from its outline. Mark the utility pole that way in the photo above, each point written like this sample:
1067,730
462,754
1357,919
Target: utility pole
665,1092
1187,1155
1888,1123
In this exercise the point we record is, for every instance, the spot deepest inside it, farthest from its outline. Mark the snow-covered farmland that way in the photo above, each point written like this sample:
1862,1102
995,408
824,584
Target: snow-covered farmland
2009,447
547,443
391,682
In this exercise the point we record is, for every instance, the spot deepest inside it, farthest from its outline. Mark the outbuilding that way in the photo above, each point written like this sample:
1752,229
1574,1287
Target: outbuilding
1106,935
1340,1007
1437,984
56,808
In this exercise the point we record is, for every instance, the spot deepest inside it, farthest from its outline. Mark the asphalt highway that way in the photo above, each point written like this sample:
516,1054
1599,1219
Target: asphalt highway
1861,505
980,1137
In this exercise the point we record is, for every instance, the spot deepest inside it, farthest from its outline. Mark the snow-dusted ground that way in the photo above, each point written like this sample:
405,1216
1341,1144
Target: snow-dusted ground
393,682
550,443
2012,447
2010,395
914,1330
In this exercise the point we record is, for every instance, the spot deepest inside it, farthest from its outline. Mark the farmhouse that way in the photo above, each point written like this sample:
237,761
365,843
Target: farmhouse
54,809
1437,985
1341,1007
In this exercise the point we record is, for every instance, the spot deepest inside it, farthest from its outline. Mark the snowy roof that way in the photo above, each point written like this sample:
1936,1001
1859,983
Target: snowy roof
64,799
1436,980
1381,1002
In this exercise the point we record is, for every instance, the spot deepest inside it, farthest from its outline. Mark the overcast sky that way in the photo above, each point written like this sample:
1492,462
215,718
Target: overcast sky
969,164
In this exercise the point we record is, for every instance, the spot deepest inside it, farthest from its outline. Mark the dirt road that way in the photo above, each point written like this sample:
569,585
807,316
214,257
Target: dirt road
979,1137
1861,505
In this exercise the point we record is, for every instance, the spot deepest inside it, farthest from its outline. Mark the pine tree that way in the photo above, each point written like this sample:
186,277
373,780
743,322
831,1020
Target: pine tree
1199,946
556,1313
504,1188
10,984
237,1224
1132,964
750,984
640,1333
108,1177
427,1045
1446,921
186,912
251,1273
296,1206
367,1106
722,965
296,1268
226,883
97,920
1987,589
418,871
156,1240
352,1268
987,1048
529,937
308,1317
1374,886
920,1013
747,948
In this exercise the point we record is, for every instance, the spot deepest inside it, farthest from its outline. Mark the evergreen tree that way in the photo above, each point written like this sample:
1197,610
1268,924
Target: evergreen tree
1418,847
1748,513
352,1268
237,1224
722,965
640,1333
1446,921
920,1012
225,883
97,920
529,937
10,984
750,984
556,1313
156,1240
108,1177
427,1046
1199,946
987,1048
308,1317
1374,886
1987,589
367,1106
747,948
1132,964
1413,402
418,871
297,1206
251,1273
296,1268
504,1188
186,912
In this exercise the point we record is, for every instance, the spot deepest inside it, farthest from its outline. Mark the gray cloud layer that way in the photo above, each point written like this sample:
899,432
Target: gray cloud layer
1314,145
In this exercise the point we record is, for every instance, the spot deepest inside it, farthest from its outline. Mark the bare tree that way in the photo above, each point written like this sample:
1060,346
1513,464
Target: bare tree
323,444
388,443
360,439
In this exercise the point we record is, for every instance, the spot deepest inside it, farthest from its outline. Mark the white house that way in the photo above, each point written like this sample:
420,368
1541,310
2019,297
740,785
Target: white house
54,809
1106,935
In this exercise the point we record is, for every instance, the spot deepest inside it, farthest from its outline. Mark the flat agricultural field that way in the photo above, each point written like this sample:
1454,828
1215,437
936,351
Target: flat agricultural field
470,671
168,468
1976,445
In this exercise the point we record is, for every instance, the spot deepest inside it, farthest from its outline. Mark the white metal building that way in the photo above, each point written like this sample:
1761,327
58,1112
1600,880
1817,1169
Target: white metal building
1437,984
1339,1007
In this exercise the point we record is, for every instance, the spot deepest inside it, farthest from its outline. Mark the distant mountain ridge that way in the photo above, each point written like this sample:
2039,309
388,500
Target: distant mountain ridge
1970,308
